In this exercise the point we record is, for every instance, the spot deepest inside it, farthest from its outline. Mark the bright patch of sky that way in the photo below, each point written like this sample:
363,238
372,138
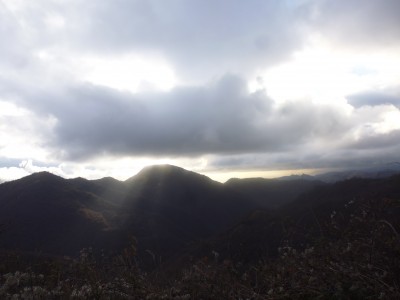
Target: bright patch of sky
131,73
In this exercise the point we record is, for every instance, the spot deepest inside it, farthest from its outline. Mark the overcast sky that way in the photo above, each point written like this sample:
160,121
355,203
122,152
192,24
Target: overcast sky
226,88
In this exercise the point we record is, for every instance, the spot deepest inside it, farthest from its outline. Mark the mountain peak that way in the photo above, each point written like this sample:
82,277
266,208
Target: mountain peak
43,175
160,170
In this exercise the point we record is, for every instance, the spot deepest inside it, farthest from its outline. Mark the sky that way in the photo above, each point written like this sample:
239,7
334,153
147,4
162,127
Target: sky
224,88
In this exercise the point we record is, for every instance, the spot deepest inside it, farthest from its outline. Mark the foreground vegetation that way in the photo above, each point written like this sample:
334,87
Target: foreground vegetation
356,256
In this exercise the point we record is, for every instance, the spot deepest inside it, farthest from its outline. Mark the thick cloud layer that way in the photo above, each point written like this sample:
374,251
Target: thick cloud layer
202,38
220,118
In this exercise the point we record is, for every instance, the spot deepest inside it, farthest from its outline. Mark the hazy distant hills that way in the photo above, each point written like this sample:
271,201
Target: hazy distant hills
380,171
167,208
272,193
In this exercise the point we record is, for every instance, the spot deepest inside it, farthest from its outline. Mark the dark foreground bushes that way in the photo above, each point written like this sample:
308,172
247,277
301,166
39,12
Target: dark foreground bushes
357,256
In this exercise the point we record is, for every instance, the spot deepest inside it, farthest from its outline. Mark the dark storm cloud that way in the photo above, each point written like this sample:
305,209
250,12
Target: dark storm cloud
188,121
374,98
219,118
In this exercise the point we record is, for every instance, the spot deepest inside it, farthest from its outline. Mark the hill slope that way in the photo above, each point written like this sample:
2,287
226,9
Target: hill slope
328,212
164,207
167,207
46,213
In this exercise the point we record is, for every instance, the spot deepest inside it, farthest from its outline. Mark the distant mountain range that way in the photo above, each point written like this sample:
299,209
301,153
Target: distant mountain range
169,211
380,171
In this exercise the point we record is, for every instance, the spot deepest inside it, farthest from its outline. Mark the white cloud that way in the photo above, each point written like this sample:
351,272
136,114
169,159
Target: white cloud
323,73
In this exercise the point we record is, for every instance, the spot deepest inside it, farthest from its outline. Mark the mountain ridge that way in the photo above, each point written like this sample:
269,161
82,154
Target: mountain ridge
181,232
165,207
379,171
